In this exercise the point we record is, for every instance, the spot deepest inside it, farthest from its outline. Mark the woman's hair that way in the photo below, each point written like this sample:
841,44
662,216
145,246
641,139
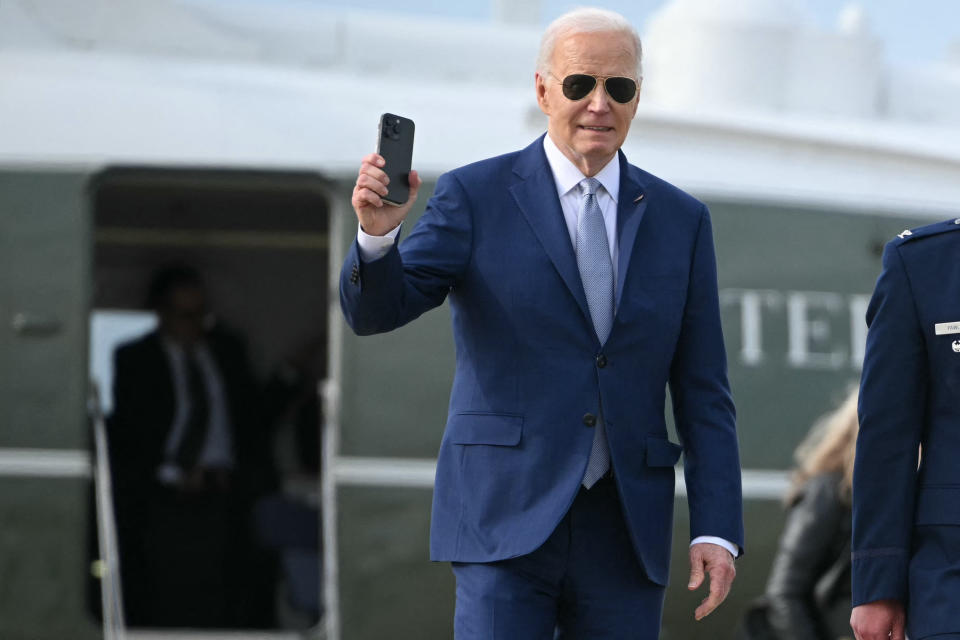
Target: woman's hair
829,448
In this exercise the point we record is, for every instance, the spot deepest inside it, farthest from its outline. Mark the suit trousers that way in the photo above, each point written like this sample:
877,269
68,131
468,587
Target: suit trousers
187,560
583,583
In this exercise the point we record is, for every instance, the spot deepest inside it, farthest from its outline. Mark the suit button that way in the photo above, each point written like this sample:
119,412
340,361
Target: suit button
590,420
601,361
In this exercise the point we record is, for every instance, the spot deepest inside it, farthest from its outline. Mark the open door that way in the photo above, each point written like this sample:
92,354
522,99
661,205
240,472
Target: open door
258,241
44,464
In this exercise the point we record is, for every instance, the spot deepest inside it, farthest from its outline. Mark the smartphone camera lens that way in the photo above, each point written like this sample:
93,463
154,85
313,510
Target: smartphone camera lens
392,131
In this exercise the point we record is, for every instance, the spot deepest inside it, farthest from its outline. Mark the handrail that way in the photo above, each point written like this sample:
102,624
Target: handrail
114,625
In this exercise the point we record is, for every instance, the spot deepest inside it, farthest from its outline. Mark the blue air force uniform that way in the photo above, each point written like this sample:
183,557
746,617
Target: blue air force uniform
906,518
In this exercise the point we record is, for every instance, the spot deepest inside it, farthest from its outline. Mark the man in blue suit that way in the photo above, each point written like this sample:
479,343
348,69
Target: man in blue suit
906,518
580,286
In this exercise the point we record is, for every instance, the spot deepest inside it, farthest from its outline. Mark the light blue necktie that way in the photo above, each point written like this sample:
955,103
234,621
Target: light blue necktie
596,274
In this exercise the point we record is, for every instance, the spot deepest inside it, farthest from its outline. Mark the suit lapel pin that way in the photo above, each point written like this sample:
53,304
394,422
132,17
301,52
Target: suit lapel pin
638,199
956,346
904,234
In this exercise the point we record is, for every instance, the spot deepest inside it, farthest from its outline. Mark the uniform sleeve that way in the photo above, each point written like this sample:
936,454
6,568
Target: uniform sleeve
892,404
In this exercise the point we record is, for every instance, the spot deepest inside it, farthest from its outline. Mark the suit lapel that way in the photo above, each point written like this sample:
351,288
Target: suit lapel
157,373
630,209
536,195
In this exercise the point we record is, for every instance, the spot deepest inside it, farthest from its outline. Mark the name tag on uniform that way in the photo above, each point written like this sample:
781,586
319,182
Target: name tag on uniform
947,328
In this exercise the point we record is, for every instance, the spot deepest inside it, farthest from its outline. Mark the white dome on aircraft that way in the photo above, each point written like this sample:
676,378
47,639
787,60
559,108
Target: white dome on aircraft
741,12
762,55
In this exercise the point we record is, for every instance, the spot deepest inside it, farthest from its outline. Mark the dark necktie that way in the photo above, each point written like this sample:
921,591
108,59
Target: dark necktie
198,419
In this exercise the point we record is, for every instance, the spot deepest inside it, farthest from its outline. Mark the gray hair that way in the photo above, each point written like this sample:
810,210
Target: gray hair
586,20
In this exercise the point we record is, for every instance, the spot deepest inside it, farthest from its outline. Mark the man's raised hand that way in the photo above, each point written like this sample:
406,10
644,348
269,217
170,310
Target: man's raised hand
376,217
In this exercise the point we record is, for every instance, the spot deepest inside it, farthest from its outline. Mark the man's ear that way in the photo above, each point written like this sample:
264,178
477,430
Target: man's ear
541,89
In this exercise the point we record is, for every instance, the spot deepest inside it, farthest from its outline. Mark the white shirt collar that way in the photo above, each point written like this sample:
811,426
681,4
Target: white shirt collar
566,175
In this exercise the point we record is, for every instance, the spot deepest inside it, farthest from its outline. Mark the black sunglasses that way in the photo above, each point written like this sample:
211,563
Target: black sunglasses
578,86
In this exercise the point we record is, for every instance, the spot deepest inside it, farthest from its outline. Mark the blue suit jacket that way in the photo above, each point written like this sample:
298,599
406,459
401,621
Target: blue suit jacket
528,366
906,521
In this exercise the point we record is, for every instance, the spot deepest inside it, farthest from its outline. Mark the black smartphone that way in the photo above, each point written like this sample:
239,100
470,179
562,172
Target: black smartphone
395,144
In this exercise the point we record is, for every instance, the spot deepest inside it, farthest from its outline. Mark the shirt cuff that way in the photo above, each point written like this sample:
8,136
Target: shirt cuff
375,247
729,546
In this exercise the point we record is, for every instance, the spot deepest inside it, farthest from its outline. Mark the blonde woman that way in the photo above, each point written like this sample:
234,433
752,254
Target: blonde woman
810,577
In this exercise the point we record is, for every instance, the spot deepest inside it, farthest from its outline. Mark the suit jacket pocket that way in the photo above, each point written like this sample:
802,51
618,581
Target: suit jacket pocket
502,429
661,452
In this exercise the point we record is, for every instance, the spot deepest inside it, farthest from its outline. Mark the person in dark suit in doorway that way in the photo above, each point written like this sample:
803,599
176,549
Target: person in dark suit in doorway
189,454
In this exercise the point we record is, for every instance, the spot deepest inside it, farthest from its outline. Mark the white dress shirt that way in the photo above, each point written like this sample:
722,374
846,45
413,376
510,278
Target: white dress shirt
217,451
567,177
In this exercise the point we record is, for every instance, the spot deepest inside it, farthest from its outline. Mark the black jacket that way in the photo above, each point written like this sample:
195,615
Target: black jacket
144,405
808,592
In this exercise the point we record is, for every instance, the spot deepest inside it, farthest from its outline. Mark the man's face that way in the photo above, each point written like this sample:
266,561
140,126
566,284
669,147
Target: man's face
588,131
182,317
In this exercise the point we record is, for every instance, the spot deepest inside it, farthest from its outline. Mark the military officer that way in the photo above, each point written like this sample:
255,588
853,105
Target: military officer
906,490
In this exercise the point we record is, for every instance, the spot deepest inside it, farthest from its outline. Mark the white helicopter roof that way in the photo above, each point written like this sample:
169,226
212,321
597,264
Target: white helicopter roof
291,86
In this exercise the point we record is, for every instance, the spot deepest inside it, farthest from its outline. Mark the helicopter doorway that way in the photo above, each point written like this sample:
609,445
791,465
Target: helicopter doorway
256,245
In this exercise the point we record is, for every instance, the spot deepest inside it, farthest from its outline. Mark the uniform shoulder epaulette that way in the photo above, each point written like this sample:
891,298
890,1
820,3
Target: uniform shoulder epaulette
908,235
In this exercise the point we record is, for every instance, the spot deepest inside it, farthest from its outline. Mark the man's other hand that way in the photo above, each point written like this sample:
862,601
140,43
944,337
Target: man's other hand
707,558
879,620
377,217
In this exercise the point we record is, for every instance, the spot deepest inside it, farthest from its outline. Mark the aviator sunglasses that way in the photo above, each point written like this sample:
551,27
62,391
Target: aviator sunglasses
578,86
